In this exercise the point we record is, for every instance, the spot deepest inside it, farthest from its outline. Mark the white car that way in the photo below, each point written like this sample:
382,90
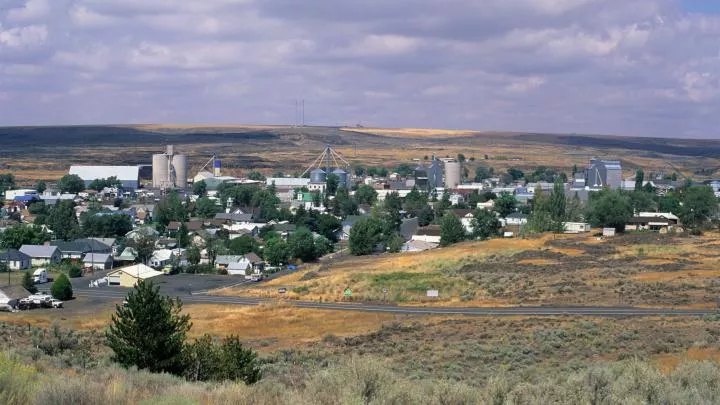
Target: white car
56,303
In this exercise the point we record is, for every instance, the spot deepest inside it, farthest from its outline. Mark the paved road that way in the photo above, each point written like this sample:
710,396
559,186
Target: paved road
114,294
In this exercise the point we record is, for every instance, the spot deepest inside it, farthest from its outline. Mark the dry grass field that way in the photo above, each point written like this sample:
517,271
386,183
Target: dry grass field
646,269
47,152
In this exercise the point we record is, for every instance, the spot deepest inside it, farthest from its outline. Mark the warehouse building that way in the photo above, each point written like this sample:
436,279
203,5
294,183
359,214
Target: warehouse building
129,276
129,176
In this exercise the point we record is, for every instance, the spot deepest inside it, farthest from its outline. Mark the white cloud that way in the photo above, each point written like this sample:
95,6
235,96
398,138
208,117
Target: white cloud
629,67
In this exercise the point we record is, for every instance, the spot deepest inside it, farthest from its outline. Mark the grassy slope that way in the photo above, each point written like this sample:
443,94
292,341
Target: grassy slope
636,269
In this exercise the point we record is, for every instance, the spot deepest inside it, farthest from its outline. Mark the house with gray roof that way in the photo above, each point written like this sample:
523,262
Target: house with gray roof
11,294
15,259
77,249
42,255
98,261
232,217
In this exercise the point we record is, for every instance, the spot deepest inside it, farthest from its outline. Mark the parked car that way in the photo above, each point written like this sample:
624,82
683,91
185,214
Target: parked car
56,303
41,299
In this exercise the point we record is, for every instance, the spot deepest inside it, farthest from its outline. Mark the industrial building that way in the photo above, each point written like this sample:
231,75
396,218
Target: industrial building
169,170
129,176
430,177
129,276
603,174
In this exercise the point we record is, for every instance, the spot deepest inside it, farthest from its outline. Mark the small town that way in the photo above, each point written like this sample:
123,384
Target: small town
111,221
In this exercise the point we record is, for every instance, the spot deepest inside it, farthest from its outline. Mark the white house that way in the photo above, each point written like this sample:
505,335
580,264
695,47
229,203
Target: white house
249,261
456,199
164,257
42,255
98,261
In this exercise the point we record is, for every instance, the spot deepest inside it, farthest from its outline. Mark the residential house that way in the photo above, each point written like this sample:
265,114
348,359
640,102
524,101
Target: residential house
75,250
129,276
110,242
223,261
15,259
249,265
653,221
192,225
165,257
430,233
487,205
42,255
235,218
145,231
466,217
98,261
11,294
127,255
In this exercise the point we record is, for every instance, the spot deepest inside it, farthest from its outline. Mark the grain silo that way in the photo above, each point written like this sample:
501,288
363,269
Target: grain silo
170,170
453,174
342,176
318,176
160,170
180,168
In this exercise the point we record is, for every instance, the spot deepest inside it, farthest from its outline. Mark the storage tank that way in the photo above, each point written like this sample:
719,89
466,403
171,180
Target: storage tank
216,167
453,174
342,176
318,176
180,164
160,172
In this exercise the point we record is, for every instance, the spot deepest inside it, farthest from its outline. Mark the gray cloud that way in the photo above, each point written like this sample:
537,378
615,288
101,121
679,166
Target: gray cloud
638,67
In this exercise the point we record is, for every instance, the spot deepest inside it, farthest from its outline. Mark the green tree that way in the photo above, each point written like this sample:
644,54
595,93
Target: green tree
461,158
255,175
609,209
669,203
71,183
485,224
323,246
415,201
41,187
331,184
61,288
7,182
641,201
639,179
557,203
193,255
63,221
365,195
451,230
206,208
505,204
342,204
144,245
515,173
149,332
426,216
365,235
699,205
242,245
276,252
482,173
200,188
395,243
182,236
202,359
392,205
18,235
328,226
238,363
28,284
302,245
574,209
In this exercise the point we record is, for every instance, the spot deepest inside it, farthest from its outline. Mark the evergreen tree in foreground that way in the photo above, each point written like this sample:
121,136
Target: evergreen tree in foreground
61,288
28,284
149,332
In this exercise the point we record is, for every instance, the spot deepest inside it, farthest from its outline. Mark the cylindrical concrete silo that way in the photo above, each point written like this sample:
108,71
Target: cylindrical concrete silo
453,174
318,176
160,172
180,164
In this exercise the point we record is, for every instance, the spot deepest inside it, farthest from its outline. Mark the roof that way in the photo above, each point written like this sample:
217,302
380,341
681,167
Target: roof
103,172
253,258
234,217
138,271
227,259
408,227
15,291
462,212
287,181
664,215
13,255
351,219
96,258
128,254
430,230
105,241
517,215
41,251
81,245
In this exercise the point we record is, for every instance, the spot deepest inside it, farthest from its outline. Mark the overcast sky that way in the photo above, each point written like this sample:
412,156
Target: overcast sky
627,67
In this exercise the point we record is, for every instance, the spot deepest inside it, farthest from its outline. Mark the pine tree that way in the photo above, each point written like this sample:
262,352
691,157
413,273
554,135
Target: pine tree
639,179
27,283
149,332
